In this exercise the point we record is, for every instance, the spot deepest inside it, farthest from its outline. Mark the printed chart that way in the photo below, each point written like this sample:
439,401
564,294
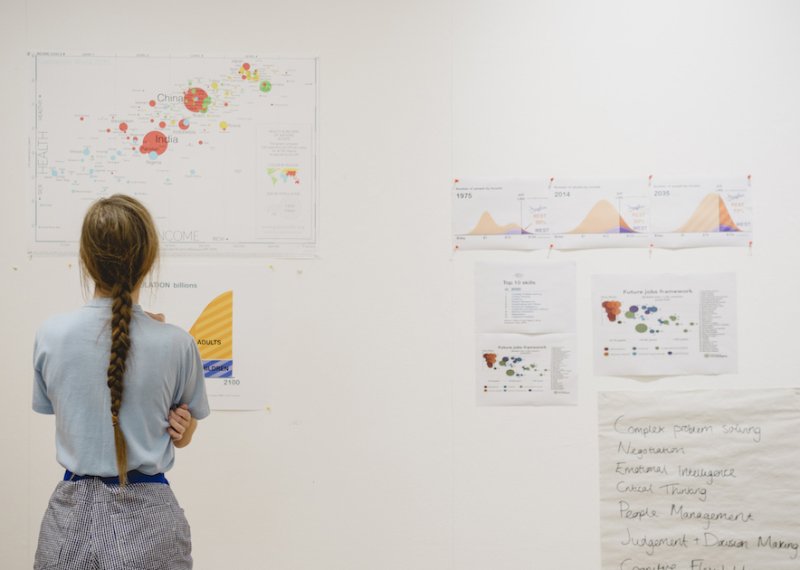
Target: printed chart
518,369
213,332
221,150
204,304
664,324
720,212
577,214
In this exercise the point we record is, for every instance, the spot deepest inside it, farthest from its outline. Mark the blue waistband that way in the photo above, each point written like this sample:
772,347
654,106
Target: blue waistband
133,477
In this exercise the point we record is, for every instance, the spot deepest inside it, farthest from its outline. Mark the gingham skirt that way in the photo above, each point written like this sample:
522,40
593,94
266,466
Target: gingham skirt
89,525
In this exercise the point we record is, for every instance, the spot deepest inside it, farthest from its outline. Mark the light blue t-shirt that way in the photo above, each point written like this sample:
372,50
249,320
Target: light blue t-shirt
70,361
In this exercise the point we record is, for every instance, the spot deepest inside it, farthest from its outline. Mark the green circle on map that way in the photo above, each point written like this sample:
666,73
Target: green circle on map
641,327
630,314
509,372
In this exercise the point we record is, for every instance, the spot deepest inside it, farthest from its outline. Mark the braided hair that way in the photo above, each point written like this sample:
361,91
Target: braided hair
118,247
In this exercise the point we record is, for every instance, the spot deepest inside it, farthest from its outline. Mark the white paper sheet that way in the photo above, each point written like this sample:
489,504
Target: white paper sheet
700,480
525,297
233,342
530,213
650,325
526,323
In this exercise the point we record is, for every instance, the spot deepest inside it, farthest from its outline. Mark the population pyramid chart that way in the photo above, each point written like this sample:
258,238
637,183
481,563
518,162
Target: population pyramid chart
213,332
601,213
222,150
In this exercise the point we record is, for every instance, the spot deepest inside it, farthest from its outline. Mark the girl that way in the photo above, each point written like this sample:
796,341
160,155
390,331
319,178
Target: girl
114,508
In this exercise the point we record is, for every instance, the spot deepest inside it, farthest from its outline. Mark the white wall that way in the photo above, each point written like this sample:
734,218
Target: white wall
374,454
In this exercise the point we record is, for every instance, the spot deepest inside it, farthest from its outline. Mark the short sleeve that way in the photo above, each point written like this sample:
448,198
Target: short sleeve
41,402
193,383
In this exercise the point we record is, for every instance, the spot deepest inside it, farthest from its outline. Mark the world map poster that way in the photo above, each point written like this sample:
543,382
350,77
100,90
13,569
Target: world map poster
222,150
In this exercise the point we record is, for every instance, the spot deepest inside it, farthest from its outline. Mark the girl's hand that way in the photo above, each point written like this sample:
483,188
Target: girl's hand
180,419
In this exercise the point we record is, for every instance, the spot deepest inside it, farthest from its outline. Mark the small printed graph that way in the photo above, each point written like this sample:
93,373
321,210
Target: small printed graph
283,175
711,215
487,226
646,329
603,218
213,332
512,373
512,366
645,318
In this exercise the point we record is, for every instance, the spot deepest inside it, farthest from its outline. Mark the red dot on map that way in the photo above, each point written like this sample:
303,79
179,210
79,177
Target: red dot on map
136,138
226,103
152,120
123,127
154,141
183,124
162,124
152,103
81,118
199,142
246,65
108,130
244,77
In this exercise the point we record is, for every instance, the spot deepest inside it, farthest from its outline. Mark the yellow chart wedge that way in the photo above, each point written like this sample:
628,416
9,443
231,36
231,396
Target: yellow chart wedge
213,332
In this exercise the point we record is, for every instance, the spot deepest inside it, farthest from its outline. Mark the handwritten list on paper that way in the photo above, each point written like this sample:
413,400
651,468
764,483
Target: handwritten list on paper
700,480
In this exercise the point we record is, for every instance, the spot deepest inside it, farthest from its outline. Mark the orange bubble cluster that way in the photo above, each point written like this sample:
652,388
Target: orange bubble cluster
490,358
613,308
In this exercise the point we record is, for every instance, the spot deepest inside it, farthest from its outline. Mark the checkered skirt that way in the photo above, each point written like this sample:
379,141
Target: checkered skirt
90,525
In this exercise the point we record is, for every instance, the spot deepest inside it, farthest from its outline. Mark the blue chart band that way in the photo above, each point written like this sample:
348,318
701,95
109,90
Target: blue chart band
218,368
